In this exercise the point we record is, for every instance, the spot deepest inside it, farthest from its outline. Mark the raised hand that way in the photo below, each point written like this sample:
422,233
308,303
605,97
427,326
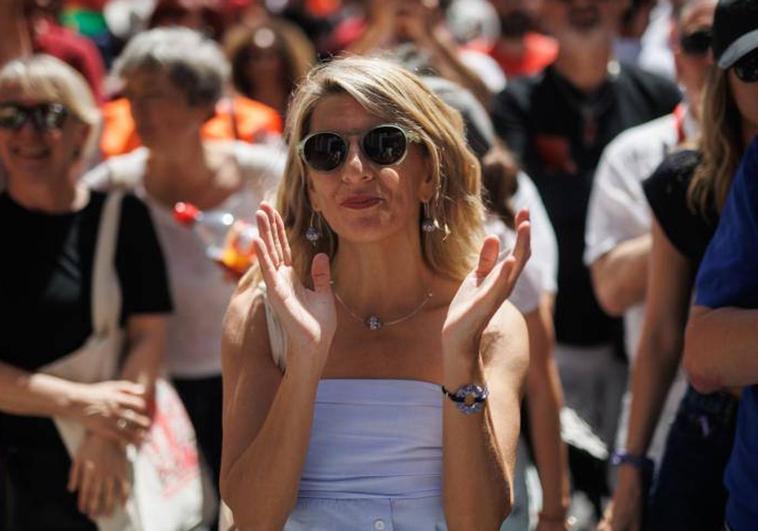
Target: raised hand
100,473
115,410
307,316
485,289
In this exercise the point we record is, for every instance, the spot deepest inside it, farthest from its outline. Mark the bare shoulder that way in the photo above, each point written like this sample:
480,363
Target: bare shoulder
505,339
244,327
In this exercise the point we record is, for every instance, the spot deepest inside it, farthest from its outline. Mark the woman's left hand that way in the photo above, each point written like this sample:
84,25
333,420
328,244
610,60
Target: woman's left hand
484,290
100,472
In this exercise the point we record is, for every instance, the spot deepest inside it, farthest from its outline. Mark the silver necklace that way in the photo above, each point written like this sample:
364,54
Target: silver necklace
374,322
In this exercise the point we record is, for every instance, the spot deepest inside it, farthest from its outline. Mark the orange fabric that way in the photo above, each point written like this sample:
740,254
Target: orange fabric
254,122
540,51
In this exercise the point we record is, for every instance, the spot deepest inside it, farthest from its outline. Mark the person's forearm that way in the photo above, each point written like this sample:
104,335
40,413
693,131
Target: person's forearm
476,488
721,347
35,394
544,403
653,372
146,349
14,33
620,277
544,398
261,486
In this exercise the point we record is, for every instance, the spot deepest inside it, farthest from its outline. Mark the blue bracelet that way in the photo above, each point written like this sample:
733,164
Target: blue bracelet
641,462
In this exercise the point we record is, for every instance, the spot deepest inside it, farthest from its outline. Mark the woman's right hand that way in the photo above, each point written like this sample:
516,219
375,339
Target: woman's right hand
115,410
624,512
308,317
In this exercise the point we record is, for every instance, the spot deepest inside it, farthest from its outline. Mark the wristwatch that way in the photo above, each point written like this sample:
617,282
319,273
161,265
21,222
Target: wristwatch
641,462
468,398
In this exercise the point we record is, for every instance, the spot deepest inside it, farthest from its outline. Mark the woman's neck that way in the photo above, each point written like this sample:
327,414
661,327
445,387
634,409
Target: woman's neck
749,132
53,197
388,280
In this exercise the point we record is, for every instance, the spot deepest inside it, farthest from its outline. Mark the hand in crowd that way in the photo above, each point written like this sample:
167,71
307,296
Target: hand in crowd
485,289
309,317
624,511
552,525
100,474
114,410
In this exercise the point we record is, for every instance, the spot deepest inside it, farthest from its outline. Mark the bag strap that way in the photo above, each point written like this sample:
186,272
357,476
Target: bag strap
276,338
105,310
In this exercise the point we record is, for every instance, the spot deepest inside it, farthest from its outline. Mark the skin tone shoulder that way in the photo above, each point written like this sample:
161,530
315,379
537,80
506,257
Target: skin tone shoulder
379,269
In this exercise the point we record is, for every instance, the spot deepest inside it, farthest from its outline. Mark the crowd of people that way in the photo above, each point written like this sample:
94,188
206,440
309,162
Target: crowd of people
505,273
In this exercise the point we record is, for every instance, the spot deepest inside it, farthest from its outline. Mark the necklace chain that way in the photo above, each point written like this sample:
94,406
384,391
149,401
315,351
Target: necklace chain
374,322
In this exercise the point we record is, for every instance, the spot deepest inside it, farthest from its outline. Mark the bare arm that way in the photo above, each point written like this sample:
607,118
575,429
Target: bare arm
480,449
619,277
670,278
484,338
37,394
720,348
267,416
15,40
544,400
146,344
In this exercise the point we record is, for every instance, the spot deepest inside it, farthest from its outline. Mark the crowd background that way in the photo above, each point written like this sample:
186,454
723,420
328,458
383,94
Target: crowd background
569,105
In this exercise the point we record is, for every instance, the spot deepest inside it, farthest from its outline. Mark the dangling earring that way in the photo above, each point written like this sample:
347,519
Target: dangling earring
428,224
312,234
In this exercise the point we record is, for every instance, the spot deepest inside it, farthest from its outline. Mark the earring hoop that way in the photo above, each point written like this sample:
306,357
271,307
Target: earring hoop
313,234
428,224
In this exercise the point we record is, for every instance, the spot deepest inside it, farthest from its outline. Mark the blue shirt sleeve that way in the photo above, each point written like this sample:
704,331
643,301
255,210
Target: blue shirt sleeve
728,274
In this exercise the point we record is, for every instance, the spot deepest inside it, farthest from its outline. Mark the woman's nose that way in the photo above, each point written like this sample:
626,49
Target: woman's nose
355,168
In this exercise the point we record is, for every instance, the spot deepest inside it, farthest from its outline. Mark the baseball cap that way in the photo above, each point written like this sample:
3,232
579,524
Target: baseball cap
735,31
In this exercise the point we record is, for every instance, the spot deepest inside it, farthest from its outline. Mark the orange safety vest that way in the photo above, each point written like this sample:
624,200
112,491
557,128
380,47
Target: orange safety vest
236,118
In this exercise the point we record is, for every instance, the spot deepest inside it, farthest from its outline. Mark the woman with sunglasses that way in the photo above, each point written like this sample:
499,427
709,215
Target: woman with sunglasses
687,193
372,379
79,269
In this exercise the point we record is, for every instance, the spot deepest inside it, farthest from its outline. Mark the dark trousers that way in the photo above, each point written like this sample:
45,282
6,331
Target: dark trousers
689,491
35,489
202,398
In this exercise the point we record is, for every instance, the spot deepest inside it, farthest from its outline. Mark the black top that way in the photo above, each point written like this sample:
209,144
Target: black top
45,288
666,191
559,133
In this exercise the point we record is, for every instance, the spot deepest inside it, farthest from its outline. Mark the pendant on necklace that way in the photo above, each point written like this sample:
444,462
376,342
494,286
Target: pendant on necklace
373,322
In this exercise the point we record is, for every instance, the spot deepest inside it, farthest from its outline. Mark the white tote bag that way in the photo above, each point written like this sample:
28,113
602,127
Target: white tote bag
167,492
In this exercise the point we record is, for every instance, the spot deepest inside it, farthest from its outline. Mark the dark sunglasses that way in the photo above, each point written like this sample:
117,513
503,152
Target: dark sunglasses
696,43
45,116
385,145
746,69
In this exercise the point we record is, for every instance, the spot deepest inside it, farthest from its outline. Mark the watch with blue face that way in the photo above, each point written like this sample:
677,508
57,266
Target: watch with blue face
468,398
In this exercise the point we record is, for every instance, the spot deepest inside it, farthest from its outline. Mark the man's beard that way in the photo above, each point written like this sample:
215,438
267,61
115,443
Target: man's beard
516,24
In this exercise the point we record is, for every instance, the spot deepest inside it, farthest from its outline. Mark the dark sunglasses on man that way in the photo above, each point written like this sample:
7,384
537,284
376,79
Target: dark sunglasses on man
697,42
746,69
385,145
44,117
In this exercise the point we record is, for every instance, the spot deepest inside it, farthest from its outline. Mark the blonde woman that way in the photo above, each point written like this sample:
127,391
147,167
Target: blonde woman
373,379
75,275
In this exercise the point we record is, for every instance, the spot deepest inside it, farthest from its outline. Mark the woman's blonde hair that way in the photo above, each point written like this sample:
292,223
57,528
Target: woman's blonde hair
721,145
49,79
393,94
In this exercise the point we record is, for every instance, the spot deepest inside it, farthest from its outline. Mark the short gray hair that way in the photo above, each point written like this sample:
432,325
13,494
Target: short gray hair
193,62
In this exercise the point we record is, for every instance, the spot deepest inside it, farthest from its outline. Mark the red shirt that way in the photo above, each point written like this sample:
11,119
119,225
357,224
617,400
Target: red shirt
539,51
79,52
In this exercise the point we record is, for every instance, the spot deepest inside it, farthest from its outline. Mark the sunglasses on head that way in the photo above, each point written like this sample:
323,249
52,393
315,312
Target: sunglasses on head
44,117
746,69
697,42
385,145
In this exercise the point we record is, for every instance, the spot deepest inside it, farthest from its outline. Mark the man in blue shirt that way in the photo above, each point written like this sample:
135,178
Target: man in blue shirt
721,345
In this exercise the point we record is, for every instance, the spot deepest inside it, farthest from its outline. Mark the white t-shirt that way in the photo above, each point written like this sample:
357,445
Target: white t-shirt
199,288
539,275
544,244
618,210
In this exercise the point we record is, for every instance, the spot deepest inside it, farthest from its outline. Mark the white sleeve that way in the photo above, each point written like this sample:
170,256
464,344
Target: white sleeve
617,208
544,243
